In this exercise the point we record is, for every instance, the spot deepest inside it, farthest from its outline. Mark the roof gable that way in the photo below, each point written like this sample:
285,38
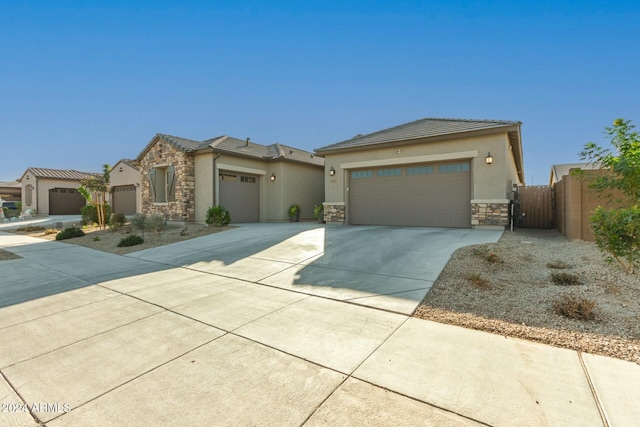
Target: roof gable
423,128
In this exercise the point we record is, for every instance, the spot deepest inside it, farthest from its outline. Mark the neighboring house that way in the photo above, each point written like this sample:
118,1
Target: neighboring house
430,172
125,179
558,171
182,178
10,191
52,191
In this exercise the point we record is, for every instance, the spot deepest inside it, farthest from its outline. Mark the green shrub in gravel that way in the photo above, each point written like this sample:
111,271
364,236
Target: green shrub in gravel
69,233
131,240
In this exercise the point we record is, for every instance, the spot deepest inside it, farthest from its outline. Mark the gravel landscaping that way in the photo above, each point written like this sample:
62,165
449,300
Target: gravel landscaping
507,288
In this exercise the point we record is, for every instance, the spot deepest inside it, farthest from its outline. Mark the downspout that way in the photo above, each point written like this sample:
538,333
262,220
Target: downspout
214,193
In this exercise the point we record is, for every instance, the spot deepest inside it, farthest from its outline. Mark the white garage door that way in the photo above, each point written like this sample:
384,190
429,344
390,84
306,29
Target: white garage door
428,195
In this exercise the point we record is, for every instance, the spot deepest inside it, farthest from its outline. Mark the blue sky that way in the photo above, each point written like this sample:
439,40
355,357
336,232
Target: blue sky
86,83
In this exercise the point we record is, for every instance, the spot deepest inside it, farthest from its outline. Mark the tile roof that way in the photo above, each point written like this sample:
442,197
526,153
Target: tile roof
69,174
131,163
13,184
245,148
423,128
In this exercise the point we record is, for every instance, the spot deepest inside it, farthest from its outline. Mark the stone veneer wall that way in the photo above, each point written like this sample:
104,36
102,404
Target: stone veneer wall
489,214
182,208
334,212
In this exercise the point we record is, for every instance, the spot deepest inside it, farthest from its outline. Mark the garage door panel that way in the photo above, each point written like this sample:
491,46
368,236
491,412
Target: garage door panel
240,194
65,201
124,199
435,199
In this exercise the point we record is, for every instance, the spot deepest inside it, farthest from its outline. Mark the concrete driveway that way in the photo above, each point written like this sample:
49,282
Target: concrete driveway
281,324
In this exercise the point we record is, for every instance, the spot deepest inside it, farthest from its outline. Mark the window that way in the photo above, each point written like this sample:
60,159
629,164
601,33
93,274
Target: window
454,167
249,179
389,172
227,177
361,174
162,184
420,170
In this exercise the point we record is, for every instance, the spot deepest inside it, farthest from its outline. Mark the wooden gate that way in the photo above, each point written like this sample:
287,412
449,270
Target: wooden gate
536,206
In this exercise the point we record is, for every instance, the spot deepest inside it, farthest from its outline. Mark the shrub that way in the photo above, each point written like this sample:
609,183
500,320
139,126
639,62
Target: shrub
617,234
486,254
117,221
478,281
130,240
218,216
575,307
157,222
565,279
51,231
140,221
69,233
90,215
318,211
559,265
96,239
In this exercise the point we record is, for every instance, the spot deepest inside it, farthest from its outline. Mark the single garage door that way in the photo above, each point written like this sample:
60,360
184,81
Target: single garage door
124,199
428,195
65,201
240,194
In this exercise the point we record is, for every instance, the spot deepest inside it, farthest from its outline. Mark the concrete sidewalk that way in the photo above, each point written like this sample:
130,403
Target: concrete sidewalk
207,338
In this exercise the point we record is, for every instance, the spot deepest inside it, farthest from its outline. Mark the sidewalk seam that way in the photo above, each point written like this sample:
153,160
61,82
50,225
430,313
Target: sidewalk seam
594,393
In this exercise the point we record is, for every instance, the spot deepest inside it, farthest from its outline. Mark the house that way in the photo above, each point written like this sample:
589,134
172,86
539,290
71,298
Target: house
182,178
559,171
125,179
10,191
52,191
430,172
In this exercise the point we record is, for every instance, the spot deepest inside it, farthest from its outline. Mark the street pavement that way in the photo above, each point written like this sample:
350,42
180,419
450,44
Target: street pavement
276,324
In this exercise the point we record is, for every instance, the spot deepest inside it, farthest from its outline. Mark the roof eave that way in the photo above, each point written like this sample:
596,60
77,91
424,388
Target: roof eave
423,139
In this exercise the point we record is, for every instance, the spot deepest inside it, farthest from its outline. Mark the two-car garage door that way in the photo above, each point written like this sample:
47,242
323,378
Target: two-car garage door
429,195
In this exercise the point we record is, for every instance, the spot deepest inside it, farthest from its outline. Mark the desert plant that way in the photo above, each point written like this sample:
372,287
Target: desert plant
485,253
575,307
69,233
51,231
141,222
617,235
218,216
184,231
478,281
558,265
130,240
117,221
157,222
96,239
565,279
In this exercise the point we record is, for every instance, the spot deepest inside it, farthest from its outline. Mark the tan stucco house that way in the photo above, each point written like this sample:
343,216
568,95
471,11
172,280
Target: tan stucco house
52,191
182,178
125,194
429,172
10,191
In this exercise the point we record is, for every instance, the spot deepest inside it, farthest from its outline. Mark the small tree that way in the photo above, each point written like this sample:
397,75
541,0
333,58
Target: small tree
95,189
622,163
617,231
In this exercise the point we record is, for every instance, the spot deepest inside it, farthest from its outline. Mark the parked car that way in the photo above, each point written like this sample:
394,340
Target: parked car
10,209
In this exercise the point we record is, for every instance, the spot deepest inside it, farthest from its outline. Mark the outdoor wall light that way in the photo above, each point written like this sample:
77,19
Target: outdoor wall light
332,171
272,177
137,184
488,159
